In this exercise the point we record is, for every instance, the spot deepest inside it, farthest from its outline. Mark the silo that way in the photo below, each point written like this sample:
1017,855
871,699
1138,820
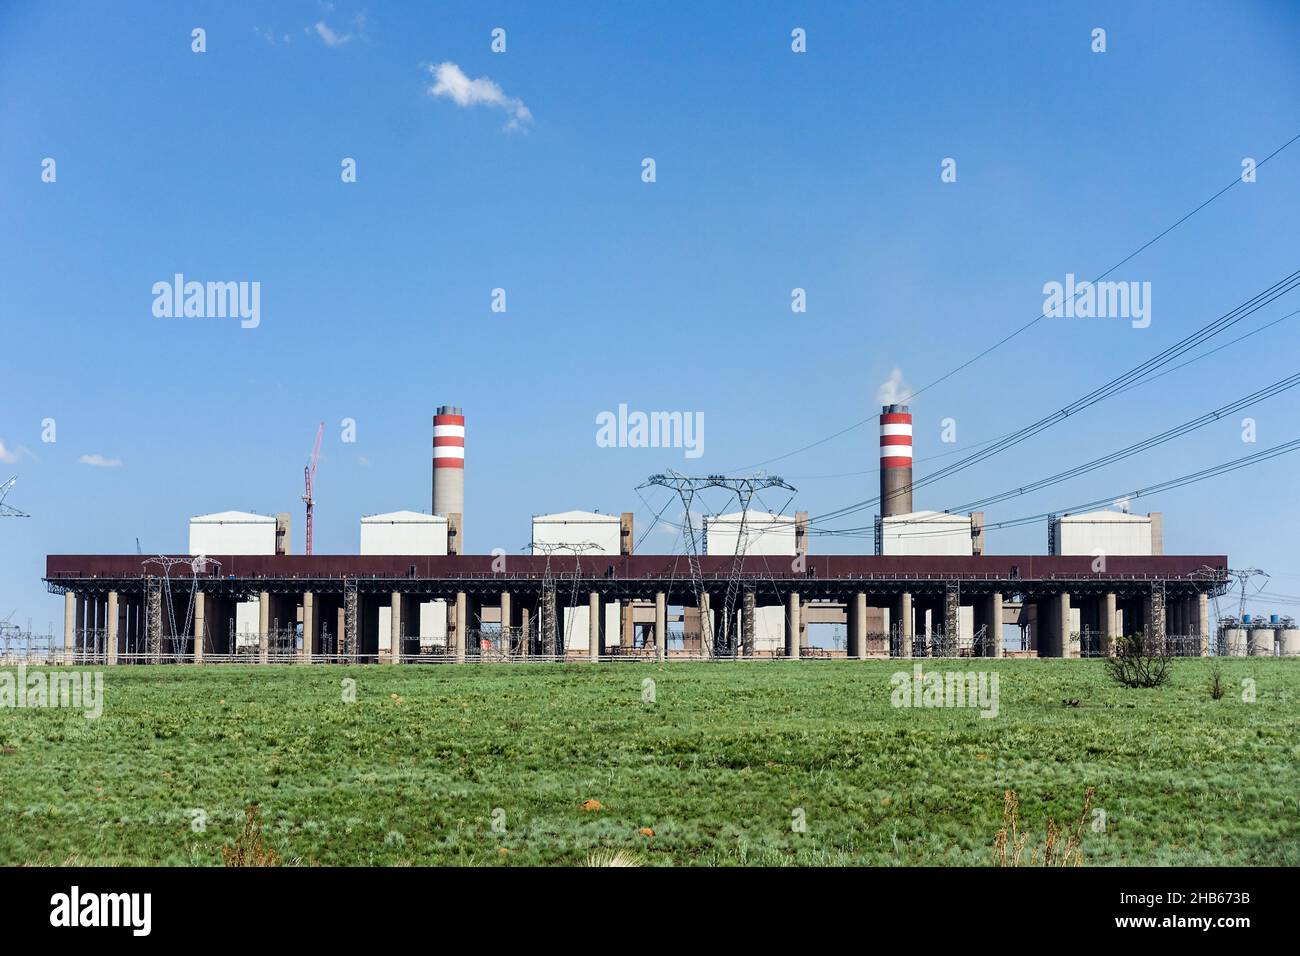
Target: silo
895,461
1233,641
1288,639
449,463
1261,641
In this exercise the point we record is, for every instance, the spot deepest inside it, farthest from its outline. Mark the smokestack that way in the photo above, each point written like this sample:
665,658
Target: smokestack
895,461
449,465
625,542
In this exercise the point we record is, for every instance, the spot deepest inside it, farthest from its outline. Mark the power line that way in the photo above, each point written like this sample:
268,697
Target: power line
1195,477
1146,444
1138,384
1042,315
1160,359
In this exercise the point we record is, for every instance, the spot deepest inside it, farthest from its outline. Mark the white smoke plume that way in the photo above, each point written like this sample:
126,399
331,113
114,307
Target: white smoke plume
894,390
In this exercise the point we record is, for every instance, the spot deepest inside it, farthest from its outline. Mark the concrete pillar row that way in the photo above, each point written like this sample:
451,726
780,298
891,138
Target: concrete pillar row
461,625
1063,623
792,628
706,624
79,631
69,626
906,624
309,633
200,624
858,626
264,627
994,624
1202,602
394,628
661,625
1109,624
626,626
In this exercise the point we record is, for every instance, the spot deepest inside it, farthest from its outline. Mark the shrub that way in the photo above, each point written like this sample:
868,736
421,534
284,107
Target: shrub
250,848
1062,846
1139,661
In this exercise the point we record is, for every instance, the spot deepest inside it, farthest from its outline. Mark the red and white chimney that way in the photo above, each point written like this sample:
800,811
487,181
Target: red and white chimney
895,460
449,466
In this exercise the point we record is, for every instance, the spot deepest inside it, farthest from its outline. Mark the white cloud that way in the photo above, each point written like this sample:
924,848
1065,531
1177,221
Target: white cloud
450,81
99,461
329,37
893,390
9,457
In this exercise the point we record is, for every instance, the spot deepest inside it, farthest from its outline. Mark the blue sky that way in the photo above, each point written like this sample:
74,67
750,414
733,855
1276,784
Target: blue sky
775,170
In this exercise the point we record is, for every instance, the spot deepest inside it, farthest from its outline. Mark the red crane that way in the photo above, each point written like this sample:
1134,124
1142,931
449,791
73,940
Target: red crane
309,477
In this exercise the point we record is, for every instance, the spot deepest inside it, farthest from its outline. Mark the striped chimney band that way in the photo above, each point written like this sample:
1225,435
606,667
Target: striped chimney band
896,440
449,441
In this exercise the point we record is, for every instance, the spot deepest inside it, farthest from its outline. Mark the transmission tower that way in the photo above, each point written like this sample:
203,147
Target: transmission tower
197,565
9,511
547,630
723,638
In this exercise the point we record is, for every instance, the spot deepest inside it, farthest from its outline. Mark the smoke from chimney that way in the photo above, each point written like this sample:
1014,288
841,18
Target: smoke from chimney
894,389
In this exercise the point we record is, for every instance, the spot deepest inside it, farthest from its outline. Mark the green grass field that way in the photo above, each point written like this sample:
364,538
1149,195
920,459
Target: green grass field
718,765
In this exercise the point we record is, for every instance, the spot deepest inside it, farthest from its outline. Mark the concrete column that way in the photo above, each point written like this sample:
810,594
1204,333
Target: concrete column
395,628
747,612
858,625
308,626
706,624
200,622
994,623
79,634
1202,605
906,624
461,625
506,614
69,626
1109,624
661,625
594,612
627,627
525,629
1063,622
264,627
792,626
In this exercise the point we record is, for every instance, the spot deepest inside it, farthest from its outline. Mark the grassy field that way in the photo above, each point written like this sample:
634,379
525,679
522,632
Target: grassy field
719,765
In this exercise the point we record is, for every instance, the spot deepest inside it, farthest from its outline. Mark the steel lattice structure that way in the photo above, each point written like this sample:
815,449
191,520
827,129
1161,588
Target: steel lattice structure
720,641
197,565
6,510
547,630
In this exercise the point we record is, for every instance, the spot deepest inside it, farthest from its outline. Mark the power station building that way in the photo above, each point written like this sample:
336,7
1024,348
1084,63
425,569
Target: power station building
410,594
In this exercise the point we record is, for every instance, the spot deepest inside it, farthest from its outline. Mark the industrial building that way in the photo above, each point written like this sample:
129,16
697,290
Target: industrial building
410,594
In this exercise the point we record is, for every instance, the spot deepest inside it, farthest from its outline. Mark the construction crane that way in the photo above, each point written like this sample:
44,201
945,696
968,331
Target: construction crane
309,478
9,511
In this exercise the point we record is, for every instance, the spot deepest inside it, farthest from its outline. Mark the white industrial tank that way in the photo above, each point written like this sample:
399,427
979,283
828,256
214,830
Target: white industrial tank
1261,641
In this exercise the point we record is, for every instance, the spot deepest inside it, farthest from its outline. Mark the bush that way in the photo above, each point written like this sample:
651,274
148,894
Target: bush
1217,687
1139,661
250,848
